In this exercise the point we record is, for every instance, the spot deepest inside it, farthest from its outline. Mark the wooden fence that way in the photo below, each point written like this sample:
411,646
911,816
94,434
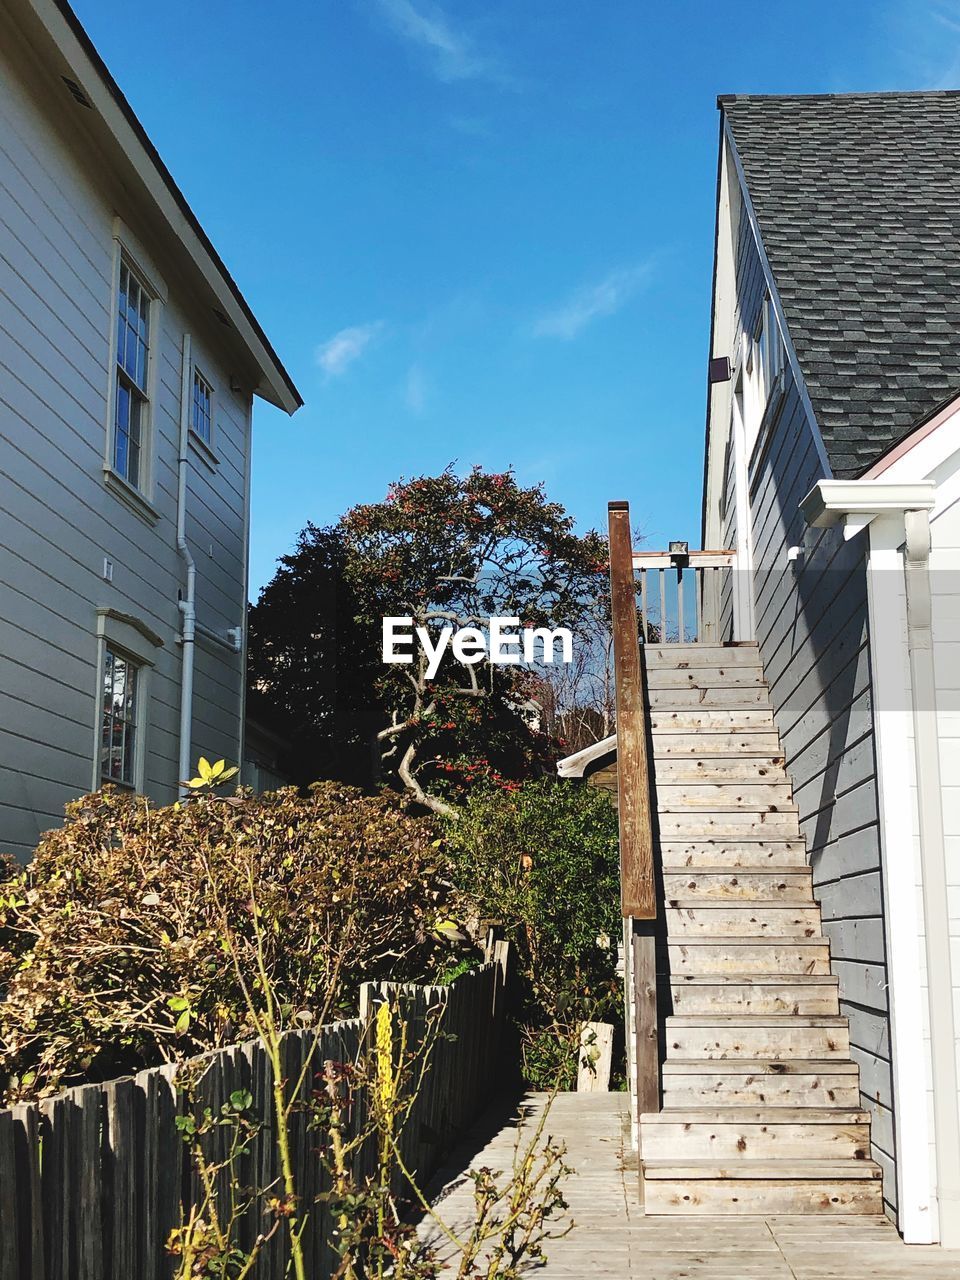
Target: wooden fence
93,1181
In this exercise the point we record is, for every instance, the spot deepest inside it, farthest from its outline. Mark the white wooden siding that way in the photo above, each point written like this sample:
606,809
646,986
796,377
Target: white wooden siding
58,520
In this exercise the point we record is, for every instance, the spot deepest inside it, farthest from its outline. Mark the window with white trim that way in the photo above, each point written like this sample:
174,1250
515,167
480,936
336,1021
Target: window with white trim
131,406
202,417
763,364
120,718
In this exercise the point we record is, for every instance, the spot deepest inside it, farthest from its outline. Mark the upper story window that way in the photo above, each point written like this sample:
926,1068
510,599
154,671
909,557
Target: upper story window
133,350
202,418
763,365
119,726
769,352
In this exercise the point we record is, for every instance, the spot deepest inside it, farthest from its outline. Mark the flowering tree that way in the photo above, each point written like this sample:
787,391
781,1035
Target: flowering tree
444,551
454,551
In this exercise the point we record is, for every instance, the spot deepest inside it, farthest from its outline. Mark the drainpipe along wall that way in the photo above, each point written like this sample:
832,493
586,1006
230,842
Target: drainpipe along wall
187,602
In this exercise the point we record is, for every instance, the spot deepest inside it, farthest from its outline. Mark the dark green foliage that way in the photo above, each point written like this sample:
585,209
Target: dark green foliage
312,666
543,860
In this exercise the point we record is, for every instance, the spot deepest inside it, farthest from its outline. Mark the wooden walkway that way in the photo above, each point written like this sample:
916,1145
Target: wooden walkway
613,1240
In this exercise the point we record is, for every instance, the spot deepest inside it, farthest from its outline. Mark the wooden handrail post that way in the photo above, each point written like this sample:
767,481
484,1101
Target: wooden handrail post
638,889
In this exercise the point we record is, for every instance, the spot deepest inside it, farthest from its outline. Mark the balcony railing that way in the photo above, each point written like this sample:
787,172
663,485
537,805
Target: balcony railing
680,595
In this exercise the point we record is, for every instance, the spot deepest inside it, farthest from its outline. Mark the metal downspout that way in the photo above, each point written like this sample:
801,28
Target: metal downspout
187,603
946,1109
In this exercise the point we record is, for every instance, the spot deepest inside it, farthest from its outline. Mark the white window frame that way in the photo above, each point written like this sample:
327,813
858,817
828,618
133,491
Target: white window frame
126,719
129,255
134,641
205,445
764,359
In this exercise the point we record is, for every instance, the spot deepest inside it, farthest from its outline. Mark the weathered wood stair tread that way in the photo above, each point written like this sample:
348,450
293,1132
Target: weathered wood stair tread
756,979
770,869
756,1020
751,940
761,1066
758,1115
677,805
768,1170
788,886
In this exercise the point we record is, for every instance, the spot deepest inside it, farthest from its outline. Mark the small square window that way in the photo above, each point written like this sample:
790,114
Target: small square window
119,723
202,417
133,349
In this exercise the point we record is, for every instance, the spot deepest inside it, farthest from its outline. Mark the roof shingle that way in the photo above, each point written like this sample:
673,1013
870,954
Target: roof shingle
858,201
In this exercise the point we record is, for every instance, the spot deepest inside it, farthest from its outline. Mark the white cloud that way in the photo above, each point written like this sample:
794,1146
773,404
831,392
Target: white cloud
591,302
924,41
452,53
338,353
415,392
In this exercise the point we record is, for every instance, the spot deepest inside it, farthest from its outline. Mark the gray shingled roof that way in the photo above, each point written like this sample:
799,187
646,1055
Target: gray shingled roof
858,200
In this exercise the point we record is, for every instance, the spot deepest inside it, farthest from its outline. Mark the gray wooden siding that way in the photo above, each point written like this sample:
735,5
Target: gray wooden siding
58,520
812,631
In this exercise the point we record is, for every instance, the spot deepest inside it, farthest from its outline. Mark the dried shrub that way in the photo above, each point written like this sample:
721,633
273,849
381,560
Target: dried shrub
112,948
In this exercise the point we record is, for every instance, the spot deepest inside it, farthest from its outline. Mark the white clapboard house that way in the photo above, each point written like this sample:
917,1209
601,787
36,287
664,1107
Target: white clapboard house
129,361
807,736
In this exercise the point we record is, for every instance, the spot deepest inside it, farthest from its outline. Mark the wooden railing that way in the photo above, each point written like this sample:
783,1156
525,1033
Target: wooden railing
680,594
93,1180
638,890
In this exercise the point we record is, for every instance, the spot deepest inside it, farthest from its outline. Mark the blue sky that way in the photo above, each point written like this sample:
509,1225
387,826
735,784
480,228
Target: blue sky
481,230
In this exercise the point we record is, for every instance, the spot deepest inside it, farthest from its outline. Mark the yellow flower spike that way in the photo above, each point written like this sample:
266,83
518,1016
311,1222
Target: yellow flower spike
384,1050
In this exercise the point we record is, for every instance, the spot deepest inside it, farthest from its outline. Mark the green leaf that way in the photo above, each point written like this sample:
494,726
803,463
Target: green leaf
241,1099
182,1022
176,1003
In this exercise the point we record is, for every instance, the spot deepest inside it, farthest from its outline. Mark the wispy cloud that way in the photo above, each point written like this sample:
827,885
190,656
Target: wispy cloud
924,40
452,53
415,391
591,302
338,353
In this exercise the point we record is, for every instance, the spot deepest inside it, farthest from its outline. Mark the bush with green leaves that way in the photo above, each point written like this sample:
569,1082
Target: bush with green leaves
543,860
112,942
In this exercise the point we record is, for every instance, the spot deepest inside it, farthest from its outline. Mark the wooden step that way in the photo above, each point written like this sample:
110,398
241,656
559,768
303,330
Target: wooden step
777,824
777,1133
741,920
760,1082
744,675
770,884
757,1036
720,744
763,993
724,698
762,1187
681,656
680,853
741,769
778,957
739,720
744,794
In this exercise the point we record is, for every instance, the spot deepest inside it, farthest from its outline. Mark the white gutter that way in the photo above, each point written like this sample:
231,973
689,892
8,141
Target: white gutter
188,609
857,503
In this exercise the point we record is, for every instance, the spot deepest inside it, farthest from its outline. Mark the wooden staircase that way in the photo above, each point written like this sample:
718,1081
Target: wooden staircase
761,1098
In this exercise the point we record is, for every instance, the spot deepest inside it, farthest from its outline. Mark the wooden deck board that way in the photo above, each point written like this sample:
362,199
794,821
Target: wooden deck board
613,1240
